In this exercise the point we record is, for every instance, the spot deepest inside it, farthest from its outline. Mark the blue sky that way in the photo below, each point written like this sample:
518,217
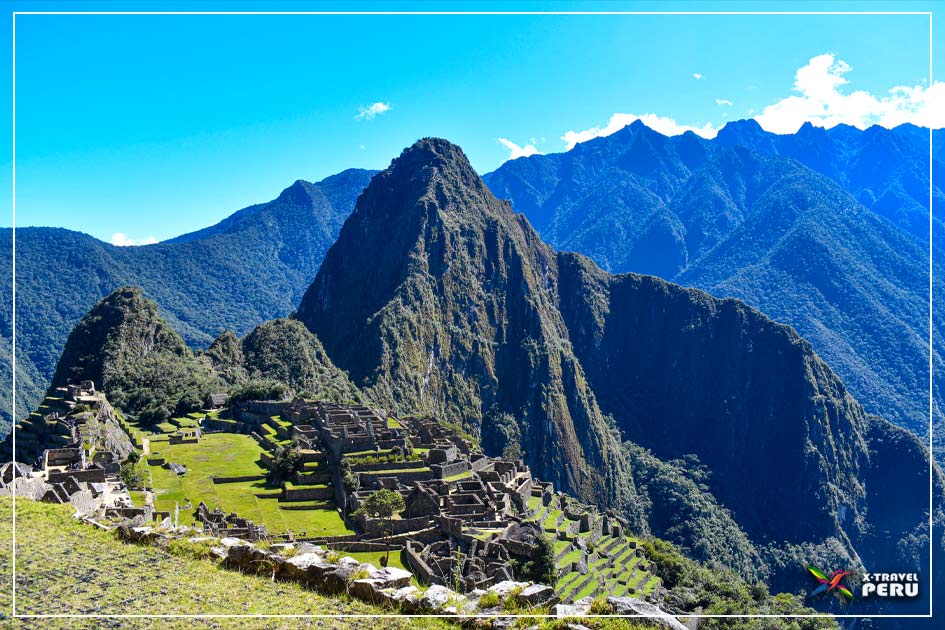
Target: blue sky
151,126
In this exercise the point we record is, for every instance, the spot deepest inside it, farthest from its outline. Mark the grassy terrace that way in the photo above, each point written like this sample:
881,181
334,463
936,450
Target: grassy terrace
66,567
233,455
618,569
463,475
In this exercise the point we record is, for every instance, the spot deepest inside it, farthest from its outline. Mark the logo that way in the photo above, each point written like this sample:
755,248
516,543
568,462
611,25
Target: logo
890,585
832,583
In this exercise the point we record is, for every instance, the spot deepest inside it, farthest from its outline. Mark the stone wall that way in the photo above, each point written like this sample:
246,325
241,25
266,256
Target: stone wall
379,528
307,493
96,475
237,479
441,471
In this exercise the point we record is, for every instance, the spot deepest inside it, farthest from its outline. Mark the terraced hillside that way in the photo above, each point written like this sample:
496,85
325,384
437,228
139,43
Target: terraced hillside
70,416
40,430
600,561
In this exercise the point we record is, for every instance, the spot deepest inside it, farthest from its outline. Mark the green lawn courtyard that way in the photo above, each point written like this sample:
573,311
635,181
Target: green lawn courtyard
232,455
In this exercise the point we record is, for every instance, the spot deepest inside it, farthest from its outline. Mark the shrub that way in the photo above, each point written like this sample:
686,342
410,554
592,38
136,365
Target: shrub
260,390
601,606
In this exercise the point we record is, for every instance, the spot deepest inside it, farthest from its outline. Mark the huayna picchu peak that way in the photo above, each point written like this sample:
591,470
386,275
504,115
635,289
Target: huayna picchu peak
437,298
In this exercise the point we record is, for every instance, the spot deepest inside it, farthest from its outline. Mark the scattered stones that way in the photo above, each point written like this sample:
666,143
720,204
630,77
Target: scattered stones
391,577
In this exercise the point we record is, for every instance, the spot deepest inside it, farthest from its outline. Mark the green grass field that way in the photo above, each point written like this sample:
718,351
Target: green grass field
67,567
233,455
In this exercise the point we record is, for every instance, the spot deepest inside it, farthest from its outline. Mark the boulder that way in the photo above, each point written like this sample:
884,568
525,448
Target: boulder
538,595
437,598
309,568
391,577
581,565
406,598
241,556
371,589
337,581
505,587
348,561
578,608
367,590
307,547
629,606
283,547
230,541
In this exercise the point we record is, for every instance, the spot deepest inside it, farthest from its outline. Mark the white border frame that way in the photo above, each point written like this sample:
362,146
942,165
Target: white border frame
14,614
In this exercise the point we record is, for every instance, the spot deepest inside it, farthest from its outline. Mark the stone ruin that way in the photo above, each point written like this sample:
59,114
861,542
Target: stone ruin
230,525
468,519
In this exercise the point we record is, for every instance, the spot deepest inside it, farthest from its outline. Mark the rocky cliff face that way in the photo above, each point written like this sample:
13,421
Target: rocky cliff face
683,372
438,299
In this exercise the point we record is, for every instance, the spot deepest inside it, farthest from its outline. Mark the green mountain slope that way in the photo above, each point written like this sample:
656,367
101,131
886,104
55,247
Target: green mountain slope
247,269
281,350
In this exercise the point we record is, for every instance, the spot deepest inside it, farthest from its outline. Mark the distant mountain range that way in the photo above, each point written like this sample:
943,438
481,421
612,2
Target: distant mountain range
752,215
248,268
825,230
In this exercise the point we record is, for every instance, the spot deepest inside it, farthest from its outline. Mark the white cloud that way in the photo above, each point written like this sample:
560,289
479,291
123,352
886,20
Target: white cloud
369,112
696,76
724,101
820,98
662,124
516,151
121,240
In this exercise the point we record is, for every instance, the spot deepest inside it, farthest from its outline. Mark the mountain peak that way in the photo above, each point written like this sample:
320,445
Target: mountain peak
121,328
430,181
434,155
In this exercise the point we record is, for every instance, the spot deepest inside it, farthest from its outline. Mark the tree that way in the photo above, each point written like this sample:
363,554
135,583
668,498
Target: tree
541,568
132,474
285,463
383,504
